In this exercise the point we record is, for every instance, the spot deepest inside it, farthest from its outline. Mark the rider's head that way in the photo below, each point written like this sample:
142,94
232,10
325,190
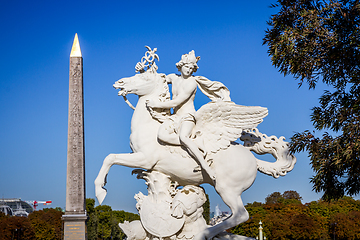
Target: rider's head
190,60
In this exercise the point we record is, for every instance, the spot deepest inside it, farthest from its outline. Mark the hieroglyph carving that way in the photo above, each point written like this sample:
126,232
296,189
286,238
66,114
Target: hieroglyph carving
75,153
177,144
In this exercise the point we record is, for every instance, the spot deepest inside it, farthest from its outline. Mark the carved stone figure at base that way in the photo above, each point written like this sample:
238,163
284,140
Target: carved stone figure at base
183,150
168,212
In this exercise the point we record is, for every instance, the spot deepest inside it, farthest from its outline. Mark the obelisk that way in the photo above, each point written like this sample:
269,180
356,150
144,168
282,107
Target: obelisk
75,214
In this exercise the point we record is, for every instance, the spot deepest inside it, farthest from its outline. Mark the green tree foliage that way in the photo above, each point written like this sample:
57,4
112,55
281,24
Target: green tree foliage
41,225
103,221
16,228
206,207
292,220
47,223
292,195
121,217
345,225
303,227
90,205
287,197
92,222
275,197
318,40
3,216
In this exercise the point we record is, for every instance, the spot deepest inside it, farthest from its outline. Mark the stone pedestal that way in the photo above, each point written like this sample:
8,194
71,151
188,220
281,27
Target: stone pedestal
74,227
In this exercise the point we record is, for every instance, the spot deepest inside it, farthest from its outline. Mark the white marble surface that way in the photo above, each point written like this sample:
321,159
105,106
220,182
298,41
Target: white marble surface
188,147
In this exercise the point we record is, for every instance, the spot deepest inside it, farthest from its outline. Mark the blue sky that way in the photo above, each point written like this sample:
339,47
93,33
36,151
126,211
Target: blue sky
35,43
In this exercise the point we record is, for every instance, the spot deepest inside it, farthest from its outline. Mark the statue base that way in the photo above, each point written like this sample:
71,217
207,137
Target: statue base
74,226
169,211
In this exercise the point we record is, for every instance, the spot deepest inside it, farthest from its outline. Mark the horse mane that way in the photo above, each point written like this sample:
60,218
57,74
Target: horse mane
164,94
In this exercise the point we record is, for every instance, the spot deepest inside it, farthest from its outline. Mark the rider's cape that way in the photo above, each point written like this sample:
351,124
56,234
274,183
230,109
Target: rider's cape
213,89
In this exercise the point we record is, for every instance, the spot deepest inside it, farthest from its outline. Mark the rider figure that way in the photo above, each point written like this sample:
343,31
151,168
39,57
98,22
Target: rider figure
183,90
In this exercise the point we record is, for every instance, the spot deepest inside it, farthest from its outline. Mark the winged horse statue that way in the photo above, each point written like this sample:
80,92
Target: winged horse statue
218,125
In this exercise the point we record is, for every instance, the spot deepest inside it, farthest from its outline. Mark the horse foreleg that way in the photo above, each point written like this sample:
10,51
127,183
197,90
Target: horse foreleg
133,160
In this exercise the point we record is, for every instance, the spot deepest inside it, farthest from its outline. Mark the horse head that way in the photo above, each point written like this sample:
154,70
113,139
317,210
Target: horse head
144,84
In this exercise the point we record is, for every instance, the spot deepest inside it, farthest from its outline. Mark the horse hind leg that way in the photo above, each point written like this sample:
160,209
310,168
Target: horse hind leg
239,215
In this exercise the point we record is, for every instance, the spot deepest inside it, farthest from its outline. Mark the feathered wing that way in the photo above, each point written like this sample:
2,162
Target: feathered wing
221,122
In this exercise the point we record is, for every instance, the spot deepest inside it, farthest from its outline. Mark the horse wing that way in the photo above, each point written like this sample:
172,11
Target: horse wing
222,122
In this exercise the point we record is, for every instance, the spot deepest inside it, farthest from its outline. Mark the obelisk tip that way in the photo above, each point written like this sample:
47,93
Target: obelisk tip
75,50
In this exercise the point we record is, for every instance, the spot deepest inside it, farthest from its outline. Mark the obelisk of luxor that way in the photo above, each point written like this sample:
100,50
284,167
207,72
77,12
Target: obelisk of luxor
75,214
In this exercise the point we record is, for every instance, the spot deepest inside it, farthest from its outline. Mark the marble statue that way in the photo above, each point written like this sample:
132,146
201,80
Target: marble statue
176,149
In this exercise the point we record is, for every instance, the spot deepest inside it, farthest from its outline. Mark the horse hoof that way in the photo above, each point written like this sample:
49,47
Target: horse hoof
100,194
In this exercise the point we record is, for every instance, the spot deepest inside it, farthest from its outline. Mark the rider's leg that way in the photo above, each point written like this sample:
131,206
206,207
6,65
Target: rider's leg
167,135
185,133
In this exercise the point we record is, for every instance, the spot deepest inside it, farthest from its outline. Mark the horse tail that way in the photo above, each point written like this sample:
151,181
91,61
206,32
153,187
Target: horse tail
262,144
